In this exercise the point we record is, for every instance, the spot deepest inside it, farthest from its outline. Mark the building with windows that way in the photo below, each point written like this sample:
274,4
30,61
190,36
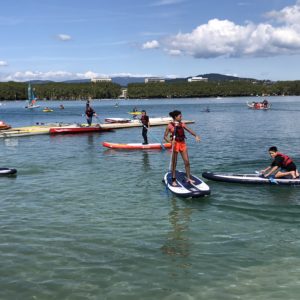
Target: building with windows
101,79
123,93
197,79
154,79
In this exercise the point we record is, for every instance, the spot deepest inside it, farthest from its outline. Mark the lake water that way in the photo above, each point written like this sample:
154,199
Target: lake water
83,222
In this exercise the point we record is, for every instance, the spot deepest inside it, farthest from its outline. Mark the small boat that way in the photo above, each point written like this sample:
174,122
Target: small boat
7,171
185,189
47,109
31,98
249,179
4,126
265,105
135,113
61,107
136,146
77,129
117,120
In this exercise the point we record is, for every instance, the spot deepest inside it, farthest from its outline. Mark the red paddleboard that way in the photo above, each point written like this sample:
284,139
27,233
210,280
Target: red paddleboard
62,130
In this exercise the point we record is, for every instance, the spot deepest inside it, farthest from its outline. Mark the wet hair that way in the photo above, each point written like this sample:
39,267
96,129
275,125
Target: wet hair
174,114
143,111
273,149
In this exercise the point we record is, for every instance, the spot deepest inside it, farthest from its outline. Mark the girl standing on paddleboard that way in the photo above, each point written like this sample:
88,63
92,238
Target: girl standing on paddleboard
175,133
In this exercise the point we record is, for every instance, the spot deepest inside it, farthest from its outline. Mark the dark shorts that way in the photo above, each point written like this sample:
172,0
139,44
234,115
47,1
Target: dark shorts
289,167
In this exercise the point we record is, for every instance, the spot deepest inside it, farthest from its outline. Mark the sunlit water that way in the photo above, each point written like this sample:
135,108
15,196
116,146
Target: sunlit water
83,222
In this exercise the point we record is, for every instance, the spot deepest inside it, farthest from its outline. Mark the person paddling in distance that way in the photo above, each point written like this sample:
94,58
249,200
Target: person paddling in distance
281,166
89,112
146,125
175,133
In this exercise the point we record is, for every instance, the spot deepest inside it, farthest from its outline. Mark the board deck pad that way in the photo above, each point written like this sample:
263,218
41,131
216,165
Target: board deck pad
186,189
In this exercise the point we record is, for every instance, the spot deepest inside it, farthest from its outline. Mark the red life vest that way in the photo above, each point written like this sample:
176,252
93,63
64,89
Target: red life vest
286,159
178,131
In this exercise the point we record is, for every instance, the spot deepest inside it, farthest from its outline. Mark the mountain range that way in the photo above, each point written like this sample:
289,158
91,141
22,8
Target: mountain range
125,80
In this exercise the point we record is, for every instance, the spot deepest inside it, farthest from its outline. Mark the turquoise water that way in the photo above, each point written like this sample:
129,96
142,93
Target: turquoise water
83,222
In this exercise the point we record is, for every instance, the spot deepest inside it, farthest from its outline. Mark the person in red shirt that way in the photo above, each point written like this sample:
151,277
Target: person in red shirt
175,133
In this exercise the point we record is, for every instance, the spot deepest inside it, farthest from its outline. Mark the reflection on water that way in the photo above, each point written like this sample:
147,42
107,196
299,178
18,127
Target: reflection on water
146,162
11,142
177,243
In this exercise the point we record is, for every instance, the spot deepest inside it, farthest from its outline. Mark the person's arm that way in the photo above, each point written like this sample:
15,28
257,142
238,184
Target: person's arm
166,135
265,170
271,171
197,137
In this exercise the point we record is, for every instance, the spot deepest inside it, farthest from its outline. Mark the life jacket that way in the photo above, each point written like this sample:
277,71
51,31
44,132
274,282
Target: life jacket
89,112
178,131
145,120
286,159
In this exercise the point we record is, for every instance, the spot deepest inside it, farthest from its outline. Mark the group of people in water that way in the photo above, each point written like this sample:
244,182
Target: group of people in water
281,166
260,105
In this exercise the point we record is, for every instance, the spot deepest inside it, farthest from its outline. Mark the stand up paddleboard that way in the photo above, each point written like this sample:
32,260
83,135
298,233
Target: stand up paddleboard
184,188
7,171
249,178
135,146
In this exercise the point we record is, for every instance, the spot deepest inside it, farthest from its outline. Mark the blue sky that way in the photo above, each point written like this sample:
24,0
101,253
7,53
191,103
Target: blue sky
64,39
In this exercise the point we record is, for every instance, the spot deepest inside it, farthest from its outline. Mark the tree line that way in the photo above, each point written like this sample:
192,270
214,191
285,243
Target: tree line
109,90
60,91
212,89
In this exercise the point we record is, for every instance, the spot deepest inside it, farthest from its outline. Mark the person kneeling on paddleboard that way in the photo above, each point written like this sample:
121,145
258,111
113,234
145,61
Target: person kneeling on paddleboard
280,161
175,133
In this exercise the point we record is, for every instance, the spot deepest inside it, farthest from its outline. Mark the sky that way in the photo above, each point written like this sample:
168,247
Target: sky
73,39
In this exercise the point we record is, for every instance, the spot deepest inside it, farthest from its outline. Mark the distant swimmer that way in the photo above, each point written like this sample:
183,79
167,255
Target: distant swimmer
175,133
281,166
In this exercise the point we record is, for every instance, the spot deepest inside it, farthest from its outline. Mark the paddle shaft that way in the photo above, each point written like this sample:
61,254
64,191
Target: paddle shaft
162,145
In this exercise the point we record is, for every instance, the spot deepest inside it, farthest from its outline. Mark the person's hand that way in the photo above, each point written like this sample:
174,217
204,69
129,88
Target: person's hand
197,137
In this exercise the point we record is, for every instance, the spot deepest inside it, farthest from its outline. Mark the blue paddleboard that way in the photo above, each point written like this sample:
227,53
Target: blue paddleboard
185,189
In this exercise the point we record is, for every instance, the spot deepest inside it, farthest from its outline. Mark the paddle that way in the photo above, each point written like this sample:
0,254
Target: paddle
153,136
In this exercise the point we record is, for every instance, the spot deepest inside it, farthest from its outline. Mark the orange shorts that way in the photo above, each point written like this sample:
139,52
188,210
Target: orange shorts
179,146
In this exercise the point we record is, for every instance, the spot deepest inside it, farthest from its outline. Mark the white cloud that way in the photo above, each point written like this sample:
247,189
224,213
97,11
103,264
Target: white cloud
225,38
51,75
174,52
288,15
167,2
61,75
151,45
64,37
3,63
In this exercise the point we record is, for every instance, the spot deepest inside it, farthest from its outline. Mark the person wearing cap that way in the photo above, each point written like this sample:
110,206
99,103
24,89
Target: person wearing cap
146,125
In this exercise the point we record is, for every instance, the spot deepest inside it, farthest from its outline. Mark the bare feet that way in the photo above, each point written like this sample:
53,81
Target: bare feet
189,180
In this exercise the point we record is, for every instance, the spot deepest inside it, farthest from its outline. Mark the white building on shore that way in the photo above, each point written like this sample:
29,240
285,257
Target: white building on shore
154,79
101,79
197,79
